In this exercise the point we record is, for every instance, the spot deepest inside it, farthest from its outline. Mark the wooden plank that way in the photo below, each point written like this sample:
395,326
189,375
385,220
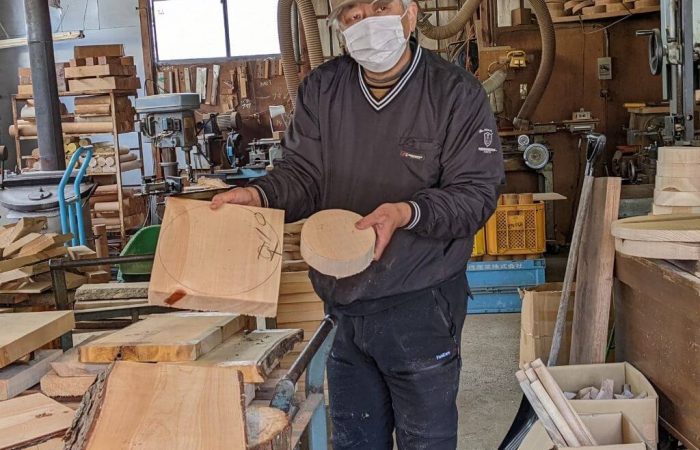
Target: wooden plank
45,242
69,365
665,228
16,263
594,277
679,155
332,244
22,333
81,305
669,198
23,272
105,70
65,388
93,51
204,407
31,287
19,243
18,377
254,354
106,83
194,269
112,291
31,420
22,228
167,338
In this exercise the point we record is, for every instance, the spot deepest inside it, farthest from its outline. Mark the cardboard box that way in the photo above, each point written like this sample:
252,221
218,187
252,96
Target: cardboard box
643,413
613,431
539,313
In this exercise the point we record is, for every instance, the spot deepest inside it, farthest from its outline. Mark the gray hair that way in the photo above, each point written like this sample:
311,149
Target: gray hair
334,23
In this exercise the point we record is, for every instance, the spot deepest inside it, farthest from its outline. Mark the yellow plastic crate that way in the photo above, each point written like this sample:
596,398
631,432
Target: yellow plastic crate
516,230
479,244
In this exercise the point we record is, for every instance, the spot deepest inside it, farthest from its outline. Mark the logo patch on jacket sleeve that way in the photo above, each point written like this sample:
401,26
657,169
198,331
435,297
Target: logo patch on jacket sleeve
487,135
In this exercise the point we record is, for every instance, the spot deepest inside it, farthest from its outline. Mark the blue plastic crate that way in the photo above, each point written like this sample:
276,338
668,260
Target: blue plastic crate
492,301
495,284
500,274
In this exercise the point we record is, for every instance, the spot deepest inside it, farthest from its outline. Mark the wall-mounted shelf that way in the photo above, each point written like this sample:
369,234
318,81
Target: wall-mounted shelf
606,15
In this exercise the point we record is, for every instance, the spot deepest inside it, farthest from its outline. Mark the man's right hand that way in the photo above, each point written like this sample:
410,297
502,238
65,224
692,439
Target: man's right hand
237,196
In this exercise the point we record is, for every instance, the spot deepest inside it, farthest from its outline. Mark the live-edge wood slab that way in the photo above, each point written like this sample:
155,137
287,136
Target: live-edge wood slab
254,354
31,420
229,260
164,338
22,333
161,406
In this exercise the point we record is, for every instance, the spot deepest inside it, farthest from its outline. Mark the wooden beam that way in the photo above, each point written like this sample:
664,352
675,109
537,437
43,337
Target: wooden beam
22,333
594,278
32,419
93,51
18,377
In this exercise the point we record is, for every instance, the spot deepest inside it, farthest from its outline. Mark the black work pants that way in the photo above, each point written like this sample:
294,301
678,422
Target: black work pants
398,369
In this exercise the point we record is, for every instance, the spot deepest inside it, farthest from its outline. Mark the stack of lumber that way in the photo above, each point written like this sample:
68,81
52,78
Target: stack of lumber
25,254
556,414
291,258
101,68
677,181
205,407
94,274
22,364
104,206
672,236
96,111
25,79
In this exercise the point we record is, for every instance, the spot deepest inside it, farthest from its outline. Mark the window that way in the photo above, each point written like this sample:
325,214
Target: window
214,29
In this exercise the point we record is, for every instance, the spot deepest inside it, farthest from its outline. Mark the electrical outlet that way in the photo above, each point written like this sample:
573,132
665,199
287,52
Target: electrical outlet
605,68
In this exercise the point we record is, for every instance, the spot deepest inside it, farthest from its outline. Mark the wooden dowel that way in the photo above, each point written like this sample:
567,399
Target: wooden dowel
567,411
546,420
549,406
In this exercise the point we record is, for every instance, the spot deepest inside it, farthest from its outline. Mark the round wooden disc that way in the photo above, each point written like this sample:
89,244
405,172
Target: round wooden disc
669,228
679,155
679,170
671,198
265,427
646,3
582,5
659,210
675,184
659,250
331,244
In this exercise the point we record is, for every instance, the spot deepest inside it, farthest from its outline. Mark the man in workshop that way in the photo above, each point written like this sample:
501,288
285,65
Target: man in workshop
395,133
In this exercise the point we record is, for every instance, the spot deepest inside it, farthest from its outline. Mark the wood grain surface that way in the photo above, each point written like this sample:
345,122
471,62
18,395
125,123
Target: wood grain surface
665,228
22,333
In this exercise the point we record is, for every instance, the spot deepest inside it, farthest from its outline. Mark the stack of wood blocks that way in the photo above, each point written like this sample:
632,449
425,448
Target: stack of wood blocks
556,414
101,68
25,254
22,335
104,160
104,205
291,258
556,8
677,181
94,112
25,79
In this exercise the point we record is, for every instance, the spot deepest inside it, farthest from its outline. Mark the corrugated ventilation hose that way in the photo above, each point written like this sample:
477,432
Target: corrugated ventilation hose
286,38
544,20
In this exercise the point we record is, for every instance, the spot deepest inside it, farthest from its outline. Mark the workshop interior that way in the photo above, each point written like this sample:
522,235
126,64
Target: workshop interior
134,316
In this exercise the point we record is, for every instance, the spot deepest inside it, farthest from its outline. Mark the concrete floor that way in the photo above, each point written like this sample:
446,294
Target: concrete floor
489,394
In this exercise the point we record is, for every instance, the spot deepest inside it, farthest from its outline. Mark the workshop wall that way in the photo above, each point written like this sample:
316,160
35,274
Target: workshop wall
104,22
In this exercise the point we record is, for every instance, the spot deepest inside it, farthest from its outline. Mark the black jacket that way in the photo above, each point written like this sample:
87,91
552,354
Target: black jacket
432,141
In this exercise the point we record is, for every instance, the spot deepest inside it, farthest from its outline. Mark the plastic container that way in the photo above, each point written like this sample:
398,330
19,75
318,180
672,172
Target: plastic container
144,242
516,230
479,244
495,285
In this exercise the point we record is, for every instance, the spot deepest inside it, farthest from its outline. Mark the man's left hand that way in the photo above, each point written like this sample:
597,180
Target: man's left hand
386,220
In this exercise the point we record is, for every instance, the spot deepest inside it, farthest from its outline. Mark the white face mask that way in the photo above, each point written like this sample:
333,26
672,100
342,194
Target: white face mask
376,43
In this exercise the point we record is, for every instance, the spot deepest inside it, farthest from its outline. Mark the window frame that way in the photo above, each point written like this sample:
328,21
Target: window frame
172,62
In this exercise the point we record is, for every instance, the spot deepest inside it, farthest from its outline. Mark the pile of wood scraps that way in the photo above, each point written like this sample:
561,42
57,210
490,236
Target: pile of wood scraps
22,335
677,181
556,414
104,206
100,68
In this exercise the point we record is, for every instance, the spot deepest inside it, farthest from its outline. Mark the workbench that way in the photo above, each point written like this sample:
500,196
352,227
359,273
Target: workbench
657,329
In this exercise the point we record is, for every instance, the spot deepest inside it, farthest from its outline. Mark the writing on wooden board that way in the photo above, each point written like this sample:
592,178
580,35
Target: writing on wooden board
227,260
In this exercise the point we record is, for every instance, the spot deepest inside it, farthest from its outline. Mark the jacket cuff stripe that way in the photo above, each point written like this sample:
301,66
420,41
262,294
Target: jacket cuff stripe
263,196
416,216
